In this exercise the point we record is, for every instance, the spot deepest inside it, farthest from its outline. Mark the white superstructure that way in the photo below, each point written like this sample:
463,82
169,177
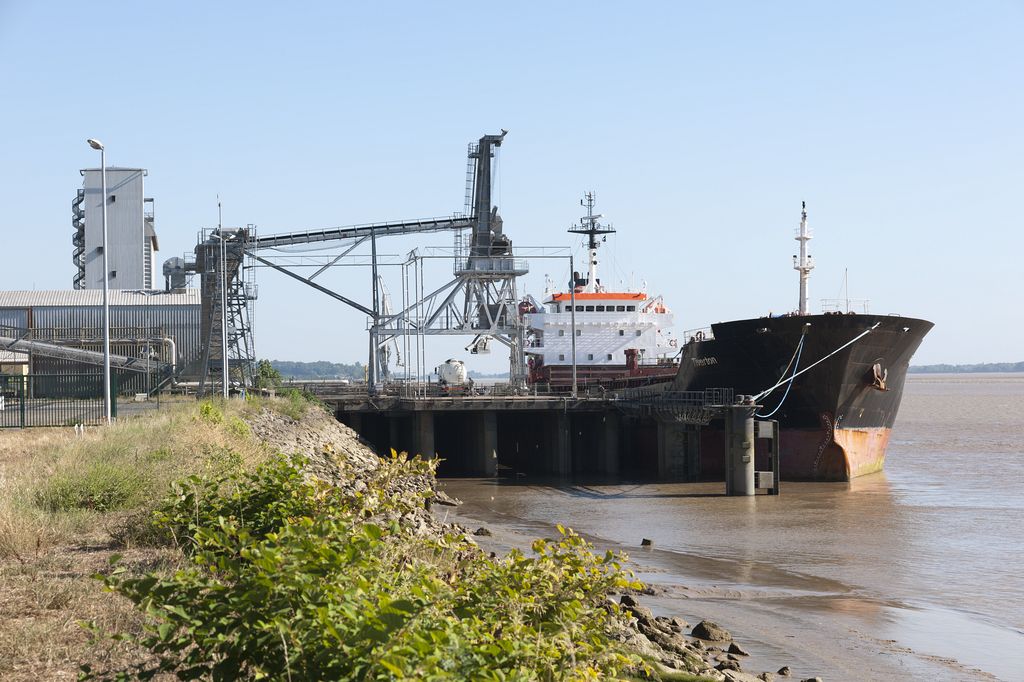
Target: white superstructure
606,326
623,329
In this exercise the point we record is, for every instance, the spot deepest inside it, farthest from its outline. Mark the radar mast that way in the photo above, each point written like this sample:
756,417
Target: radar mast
804,263
590,226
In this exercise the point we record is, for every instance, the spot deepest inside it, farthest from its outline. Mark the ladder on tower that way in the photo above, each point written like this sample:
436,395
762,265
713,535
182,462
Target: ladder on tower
472,151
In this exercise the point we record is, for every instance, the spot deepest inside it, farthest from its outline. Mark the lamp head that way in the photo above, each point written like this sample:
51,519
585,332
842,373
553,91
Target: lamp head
94,143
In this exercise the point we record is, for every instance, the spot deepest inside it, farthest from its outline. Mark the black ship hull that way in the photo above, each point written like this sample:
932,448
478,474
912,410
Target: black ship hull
836,417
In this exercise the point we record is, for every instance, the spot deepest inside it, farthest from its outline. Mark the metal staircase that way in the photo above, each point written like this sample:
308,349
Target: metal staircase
78,239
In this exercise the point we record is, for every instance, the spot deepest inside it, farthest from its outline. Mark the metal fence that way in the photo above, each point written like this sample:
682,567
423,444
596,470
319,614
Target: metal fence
684,407
53,400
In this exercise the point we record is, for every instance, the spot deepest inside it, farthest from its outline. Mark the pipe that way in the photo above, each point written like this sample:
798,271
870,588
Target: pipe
168,341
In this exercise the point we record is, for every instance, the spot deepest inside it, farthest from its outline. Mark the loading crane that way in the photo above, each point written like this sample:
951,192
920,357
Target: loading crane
480,301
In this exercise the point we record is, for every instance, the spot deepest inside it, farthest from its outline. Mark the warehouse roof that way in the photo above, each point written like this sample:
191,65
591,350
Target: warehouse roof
94,297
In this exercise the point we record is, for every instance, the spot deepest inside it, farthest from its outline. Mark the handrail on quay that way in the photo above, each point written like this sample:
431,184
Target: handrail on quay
335,388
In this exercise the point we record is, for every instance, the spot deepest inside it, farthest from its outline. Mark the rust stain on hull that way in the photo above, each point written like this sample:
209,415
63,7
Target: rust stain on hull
863,449
813,454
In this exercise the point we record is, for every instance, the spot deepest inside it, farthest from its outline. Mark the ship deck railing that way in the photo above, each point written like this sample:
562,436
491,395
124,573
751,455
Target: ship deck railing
846,305
697,334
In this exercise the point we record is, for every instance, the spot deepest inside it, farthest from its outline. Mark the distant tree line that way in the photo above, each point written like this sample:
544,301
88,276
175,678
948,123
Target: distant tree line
957,369
320,369
484,375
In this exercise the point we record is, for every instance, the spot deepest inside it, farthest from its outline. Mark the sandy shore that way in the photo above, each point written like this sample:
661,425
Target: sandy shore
815,626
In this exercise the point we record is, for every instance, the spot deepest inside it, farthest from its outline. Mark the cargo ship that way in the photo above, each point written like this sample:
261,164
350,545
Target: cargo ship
834,381
619,338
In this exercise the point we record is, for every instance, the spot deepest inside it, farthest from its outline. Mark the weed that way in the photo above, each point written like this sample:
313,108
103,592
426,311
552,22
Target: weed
98,486
294,403
210,412
237,427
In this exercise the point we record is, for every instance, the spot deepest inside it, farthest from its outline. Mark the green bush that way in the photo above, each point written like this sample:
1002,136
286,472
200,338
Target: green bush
208,411
296,402
96,485
238,428
289,578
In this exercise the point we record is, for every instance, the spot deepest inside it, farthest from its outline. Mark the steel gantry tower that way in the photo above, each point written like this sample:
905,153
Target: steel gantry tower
225,322
479,301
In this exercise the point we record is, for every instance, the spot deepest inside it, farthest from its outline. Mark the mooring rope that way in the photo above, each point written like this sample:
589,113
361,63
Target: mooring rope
796,357
765,392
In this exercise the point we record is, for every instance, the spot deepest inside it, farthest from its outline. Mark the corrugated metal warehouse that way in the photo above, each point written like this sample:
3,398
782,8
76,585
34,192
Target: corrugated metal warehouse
152,326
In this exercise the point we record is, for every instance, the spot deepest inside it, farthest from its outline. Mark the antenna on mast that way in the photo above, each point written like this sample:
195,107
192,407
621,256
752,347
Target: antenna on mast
590,226
804,263
846,287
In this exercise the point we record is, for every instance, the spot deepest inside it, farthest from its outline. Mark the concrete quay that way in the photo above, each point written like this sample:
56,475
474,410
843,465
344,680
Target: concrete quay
543,435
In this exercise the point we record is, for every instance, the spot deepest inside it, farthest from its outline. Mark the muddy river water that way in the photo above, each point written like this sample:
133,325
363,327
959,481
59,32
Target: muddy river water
916,573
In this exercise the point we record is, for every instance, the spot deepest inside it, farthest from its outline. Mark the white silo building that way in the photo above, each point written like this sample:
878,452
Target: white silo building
131,235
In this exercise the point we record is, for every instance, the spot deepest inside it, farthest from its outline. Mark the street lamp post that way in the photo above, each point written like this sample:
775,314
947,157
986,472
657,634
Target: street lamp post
96,144
572,318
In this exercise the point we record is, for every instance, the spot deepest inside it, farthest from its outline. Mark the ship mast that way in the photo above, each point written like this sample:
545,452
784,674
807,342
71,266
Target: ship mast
804,264
590,226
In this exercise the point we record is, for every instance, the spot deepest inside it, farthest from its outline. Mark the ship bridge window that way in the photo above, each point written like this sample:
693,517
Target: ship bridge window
600,308
590,308
631,308
620,308
622,332
579,309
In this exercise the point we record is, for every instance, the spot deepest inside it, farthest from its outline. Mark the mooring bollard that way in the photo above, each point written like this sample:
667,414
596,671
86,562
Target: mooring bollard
739,465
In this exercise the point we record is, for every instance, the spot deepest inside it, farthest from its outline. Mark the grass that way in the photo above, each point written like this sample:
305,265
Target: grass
68,502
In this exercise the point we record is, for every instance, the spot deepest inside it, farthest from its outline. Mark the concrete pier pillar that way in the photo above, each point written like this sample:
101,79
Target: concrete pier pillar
672,463
692,453
739,450
486,463
608,446
558,444
423,434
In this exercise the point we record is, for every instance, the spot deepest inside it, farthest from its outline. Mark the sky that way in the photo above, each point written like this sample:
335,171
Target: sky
701,126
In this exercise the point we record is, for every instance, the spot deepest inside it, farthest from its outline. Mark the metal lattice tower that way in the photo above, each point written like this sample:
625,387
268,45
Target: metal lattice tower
482,300
218,267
